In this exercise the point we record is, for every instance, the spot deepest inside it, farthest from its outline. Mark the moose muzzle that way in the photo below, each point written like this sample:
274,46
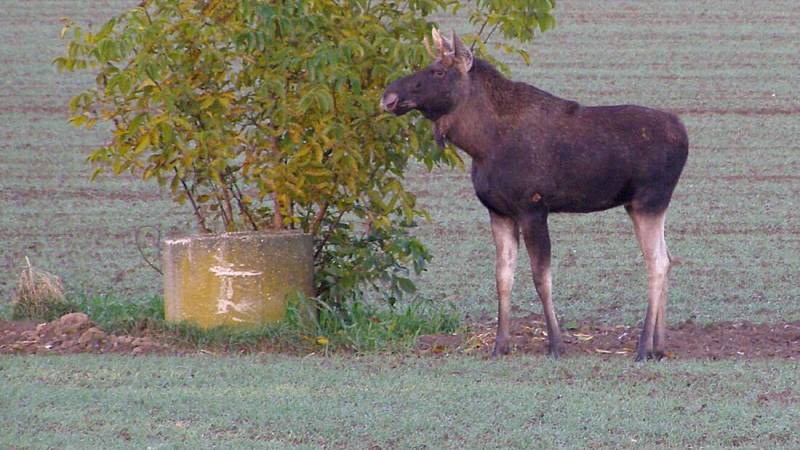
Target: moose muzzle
389,101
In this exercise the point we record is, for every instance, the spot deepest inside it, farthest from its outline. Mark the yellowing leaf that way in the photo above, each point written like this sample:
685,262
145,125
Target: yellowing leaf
142,145
207,102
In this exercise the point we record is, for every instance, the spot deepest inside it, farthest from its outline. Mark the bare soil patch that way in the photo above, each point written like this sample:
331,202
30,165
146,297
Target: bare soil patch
687,340
72,333
75,333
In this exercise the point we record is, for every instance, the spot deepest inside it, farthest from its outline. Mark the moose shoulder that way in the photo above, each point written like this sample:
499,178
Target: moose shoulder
535,154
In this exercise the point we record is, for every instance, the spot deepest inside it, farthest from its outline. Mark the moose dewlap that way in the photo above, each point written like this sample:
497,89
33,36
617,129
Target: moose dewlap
238,279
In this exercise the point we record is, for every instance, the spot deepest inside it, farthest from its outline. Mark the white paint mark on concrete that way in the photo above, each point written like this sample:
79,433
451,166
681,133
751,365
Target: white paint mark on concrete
225,306
227,272
222,271
177,241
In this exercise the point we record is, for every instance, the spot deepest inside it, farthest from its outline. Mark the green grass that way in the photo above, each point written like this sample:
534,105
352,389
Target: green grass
121,316
358,328
278,402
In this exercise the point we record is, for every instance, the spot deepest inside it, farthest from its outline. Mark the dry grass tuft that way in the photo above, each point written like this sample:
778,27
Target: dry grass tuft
39,295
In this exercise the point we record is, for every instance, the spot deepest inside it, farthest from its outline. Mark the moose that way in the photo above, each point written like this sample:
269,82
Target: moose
534,154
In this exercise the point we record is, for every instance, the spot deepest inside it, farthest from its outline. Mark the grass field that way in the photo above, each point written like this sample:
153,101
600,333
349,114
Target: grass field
278,402
728,68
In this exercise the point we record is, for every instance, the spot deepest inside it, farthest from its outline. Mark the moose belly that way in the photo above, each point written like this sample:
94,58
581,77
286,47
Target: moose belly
511,196
592,192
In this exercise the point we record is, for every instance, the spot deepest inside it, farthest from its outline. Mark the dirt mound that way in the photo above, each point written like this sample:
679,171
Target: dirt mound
72,333
687,340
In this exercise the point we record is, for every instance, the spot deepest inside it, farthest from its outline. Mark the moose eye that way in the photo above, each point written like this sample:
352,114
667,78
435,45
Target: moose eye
438,73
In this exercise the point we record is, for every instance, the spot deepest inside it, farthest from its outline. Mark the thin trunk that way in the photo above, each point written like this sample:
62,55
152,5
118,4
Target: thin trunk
201,221
225,220
219,197
314,228
226,195
237,194
328,235
277,217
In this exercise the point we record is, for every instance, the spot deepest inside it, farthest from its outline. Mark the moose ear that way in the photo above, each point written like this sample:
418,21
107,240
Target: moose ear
442,46
462,54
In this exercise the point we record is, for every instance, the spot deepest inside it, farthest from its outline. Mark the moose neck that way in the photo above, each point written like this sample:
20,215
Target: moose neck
493,105
470,127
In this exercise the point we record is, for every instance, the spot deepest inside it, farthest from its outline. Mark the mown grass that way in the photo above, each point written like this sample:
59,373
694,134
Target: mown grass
399,402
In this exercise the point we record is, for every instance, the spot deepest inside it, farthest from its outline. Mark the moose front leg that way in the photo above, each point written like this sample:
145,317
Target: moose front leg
506,241
537,241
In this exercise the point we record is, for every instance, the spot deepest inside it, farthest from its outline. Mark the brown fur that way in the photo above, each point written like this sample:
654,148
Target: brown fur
534,154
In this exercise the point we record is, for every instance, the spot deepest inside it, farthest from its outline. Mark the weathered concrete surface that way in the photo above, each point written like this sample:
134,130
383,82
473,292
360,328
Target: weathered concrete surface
235,278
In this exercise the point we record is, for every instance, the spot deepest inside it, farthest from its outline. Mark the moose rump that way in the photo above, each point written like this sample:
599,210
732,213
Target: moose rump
534,154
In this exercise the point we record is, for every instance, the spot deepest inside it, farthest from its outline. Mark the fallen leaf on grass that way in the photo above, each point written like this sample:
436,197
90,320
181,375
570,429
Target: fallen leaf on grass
475,342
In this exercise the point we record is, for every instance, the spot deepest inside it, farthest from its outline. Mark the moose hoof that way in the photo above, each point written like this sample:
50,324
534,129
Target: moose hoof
500,349
556,351
651,355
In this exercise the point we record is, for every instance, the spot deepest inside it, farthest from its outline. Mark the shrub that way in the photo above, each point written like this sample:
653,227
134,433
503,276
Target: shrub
264,115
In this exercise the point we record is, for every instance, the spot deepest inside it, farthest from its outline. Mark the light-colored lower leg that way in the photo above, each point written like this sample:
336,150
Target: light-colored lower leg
506,240
544,284
661,316
650,234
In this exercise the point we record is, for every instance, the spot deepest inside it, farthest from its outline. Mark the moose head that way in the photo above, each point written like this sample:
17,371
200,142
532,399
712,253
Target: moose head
437,89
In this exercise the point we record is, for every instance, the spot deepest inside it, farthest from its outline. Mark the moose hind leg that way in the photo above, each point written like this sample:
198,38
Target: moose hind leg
506,240
660,333
537,241
649,230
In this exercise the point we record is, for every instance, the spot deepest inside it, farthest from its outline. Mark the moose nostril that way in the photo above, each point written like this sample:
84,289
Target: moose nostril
389,101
